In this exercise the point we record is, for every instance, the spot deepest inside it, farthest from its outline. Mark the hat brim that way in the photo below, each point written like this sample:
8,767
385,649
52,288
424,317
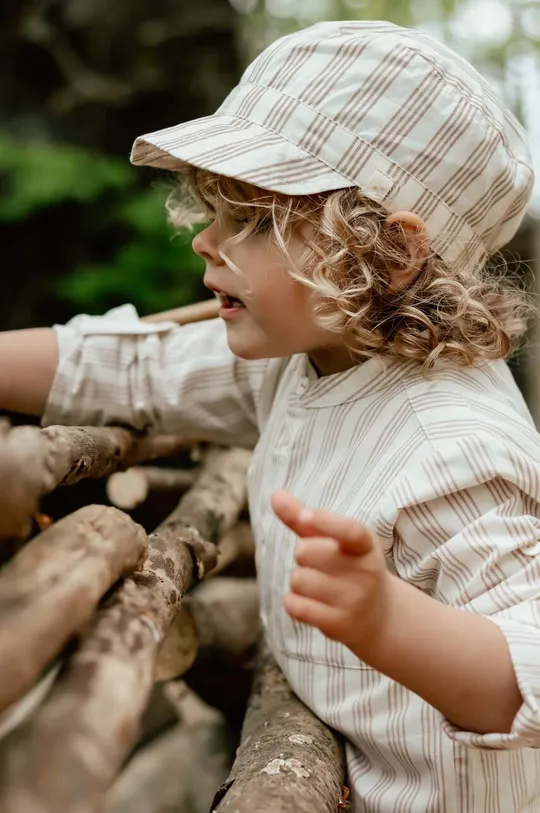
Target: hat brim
231,146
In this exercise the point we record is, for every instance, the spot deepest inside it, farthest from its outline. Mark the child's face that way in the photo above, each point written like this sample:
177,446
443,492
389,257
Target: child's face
276,320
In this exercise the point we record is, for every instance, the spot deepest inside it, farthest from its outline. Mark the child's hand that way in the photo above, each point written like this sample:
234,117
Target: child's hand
340,583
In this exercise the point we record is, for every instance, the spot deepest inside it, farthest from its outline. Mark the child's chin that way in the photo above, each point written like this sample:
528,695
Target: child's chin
249,350
248,353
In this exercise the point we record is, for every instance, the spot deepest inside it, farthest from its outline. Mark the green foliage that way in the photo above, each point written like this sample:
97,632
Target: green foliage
40,175
130,254
154,268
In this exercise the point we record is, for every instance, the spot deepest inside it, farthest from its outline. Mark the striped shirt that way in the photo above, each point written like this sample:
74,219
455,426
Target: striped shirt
445,468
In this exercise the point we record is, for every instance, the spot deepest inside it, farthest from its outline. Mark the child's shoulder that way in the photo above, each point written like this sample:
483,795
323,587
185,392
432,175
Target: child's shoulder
451,401
472,428
475,427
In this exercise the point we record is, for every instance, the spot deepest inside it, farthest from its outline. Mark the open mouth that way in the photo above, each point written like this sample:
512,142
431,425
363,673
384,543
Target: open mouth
229,302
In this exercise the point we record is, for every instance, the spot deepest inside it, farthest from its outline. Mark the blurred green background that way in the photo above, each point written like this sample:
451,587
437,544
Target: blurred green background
82,230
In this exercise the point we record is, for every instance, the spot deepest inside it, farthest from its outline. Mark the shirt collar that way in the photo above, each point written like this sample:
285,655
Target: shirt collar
358,382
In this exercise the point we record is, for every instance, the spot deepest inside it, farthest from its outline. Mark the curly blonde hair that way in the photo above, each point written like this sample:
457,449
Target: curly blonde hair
460,315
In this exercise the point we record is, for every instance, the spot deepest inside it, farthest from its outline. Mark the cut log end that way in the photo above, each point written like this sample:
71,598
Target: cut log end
128,489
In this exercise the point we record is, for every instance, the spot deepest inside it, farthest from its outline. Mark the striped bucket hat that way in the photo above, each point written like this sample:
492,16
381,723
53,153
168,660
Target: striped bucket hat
376,106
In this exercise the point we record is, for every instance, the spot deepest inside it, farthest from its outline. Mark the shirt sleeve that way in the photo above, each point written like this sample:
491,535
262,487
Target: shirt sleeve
468,534
116,369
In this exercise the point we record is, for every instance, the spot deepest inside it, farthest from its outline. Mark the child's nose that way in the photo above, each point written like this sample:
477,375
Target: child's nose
205,244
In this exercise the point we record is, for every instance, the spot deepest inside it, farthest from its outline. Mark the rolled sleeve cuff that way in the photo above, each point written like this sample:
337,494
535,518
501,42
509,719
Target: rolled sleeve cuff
524,644
82,377
57,407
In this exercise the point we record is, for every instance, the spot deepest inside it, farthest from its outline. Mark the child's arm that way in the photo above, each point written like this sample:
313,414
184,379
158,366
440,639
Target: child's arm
465,664
116,369
184,380
28,361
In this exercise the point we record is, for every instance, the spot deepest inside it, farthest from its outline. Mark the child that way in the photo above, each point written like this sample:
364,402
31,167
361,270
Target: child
356,181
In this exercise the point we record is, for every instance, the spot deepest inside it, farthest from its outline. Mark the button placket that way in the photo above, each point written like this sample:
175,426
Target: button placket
290,423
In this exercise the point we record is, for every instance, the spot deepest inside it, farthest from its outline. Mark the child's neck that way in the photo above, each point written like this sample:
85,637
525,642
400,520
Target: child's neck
331,360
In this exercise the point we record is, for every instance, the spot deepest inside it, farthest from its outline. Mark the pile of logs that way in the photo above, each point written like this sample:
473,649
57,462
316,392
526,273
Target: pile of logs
102,623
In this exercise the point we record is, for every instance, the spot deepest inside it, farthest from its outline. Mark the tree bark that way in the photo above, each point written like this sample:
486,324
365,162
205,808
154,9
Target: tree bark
218,619
214,504
34,462
288,760
65,757
236,546
96,452
49,591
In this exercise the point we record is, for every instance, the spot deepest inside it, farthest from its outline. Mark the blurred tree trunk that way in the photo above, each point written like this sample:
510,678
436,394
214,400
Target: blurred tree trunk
98,73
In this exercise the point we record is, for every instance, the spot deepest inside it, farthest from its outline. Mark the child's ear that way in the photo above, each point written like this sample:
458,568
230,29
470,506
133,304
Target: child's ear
413,230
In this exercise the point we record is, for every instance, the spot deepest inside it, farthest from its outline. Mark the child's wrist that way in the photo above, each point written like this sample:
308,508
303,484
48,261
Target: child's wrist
374,642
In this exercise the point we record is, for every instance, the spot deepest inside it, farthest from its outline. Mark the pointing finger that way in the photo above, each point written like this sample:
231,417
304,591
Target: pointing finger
289,511
354,538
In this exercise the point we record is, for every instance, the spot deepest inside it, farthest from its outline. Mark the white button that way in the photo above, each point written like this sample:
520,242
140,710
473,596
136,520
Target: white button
303,385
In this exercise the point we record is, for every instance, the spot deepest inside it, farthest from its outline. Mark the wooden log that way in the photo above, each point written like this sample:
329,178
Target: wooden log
64,759
214,504
50,589
218,619
26,464
128,489
33,462
237,545
22,709
288,759
89,451
180,770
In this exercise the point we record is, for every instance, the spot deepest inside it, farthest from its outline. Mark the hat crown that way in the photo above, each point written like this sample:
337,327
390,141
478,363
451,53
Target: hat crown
373,105
426,115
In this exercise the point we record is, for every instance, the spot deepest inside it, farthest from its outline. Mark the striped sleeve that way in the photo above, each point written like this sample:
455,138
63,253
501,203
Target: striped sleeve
116,369
468,533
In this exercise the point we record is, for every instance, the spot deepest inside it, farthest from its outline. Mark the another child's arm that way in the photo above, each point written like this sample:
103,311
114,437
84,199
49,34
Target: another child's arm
459,662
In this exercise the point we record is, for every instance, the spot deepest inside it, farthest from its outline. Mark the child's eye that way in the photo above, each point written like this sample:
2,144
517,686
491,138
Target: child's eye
263,225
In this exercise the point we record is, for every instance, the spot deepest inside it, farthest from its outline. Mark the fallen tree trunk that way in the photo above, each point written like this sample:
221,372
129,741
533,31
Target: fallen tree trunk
34,462
49,591
288,759
65,757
